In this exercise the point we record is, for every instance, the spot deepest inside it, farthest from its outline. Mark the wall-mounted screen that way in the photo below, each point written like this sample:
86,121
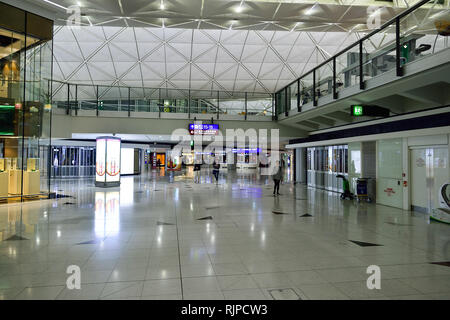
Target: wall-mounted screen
7,114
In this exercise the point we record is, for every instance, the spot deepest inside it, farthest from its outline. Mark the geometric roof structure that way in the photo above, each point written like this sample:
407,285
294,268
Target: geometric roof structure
225,60
208,44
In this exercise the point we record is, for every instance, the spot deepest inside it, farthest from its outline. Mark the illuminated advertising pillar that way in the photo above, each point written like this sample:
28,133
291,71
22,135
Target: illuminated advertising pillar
107,166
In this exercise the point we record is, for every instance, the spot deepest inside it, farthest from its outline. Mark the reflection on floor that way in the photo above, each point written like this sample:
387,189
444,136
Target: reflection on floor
164,237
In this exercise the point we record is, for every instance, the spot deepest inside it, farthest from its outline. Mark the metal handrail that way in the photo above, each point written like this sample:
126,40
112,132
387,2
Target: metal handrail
367,36
229,93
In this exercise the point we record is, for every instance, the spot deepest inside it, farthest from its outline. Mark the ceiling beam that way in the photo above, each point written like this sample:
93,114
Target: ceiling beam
340,115
309,125
323,120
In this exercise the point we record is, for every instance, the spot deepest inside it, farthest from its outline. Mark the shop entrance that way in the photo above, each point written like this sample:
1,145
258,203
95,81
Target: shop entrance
429,171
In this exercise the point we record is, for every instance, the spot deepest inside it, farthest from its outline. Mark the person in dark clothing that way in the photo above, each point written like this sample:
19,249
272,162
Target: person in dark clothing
277,176
197,168
216,167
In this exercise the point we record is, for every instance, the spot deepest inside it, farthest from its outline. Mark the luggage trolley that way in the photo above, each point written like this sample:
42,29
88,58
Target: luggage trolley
361,189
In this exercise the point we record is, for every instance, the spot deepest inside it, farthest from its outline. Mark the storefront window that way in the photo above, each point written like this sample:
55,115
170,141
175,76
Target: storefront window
25,106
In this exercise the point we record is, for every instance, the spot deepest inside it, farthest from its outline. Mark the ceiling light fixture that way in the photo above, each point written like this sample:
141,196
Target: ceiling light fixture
310,11
162,6
240,7
354,27
295,26
376,12
55,4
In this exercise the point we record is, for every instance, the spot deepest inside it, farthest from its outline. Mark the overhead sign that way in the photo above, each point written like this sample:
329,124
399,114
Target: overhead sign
203,129
358,110
246,150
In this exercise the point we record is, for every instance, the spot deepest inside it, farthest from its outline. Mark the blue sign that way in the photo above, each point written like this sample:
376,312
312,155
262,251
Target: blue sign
203,129
193,126
246,150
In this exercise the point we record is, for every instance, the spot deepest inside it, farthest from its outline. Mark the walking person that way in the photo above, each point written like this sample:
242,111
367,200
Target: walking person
277,176
197,168
216,167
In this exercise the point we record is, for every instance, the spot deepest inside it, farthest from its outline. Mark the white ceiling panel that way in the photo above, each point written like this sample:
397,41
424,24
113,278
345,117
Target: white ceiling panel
205,44
89,48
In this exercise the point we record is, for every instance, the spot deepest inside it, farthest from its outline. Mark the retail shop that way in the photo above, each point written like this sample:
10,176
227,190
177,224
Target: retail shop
324,164
407,168
25,109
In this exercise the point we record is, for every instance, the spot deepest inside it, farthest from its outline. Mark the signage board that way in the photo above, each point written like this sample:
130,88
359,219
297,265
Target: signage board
246,150
357,111
203,129
107,166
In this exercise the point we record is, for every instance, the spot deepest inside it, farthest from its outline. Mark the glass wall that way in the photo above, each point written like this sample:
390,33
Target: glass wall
74,97
280,101
324,164
25,106
73,161
419,31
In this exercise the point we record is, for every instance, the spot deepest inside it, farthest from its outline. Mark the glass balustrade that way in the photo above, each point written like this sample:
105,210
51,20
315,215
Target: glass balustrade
74,97
411,35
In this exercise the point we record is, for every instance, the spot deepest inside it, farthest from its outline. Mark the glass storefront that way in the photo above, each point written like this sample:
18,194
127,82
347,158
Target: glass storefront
25,106
324,164
73,161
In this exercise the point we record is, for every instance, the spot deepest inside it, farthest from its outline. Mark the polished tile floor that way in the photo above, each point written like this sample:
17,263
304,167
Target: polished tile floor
160,236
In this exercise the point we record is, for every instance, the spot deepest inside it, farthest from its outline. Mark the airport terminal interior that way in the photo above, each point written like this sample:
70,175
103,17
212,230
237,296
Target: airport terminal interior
224,150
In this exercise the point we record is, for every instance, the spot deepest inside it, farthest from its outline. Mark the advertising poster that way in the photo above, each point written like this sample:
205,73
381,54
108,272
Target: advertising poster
112,160
173,163
127,161
100,166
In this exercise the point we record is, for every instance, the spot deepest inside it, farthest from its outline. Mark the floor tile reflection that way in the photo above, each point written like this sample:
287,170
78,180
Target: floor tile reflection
157,238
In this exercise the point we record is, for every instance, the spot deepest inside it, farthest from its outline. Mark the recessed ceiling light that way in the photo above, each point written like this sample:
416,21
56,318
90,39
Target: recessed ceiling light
238,9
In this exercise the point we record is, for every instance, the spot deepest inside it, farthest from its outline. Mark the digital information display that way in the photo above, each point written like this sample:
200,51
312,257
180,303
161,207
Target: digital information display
7,114
107,166
203,129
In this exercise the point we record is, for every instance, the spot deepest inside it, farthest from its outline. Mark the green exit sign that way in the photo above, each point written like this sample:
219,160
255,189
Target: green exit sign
357,110
360,110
